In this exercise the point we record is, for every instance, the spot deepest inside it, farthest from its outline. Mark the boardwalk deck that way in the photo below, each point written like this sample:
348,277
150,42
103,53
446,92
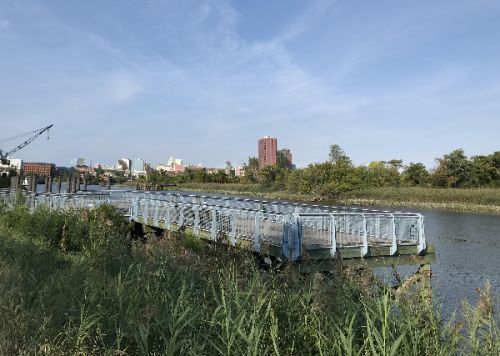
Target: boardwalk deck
299,232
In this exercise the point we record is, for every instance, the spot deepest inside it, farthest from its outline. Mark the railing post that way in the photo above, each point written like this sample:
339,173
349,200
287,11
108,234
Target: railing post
256,234
364,249
232,233
297,238
180,222
213,226
421,234
167,217
333,236
394,245
156,212
196,222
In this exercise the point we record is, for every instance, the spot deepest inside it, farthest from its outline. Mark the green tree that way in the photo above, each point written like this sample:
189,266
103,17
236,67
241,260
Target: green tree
484,170
337,154
415,174
456,167
251,170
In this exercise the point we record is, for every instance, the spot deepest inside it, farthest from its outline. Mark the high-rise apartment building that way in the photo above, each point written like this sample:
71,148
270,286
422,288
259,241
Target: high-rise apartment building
268,147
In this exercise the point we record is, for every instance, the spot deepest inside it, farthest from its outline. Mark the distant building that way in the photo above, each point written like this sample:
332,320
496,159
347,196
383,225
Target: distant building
124,164
139,167
40,169
285,157
239,171
268,147
78,162
174,165
17,164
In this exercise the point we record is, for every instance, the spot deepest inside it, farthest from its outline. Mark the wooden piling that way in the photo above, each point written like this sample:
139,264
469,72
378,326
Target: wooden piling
109,183
13,183
59,185
85,182
46,181
50,184
70,181
77,183
34,183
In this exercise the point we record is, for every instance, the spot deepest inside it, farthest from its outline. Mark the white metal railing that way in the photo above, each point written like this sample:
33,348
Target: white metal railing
290,226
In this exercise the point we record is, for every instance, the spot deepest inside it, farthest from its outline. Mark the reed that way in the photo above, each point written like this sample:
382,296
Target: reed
102,294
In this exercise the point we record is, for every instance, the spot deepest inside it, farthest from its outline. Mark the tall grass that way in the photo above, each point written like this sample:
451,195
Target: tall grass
100,294
480,200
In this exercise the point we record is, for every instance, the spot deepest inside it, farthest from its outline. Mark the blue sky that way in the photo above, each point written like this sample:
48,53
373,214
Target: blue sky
203,80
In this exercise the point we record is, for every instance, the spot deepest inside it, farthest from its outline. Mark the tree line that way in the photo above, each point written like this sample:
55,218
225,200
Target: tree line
338,174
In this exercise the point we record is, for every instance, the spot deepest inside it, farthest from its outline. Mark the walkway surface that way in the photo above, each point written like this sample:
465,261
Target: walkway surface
291,230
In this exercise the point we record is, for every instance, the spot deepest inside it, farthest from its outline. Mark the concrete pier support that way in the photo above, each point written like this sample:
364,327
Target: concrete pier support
50,184
85,178
46,182
77,182
59,185
109,183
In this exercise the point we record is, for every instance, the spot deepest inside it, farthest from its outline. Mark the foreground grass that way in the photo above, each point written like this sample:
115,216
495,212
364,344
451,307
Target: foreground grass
73,283
485,200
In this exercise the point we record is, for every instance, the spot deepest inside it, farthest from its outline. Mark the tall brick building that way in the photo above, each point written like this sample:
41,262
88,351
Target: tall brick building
40,169
268,148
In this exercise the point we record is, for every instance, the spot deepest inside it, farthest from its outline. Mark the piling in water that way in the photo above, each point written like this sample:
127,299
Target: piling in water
70,180
59,185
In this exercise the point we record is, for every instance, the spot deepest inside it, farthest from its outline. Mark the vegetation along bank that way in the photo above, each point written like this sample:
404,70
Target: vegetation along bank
76,282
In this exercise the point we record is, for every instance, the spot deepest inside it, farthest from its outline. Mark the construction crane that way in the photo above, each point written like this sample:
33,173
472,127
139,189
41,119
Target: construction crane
4,155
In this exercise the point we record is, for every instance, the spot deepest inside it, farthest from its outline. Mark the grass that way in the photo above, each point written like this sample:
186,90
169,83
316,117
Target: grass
486,200
102,294
479,200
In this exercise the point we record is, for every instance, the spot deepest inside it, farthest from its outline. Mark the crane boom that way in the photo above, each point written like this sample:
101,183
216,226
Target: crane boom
5,155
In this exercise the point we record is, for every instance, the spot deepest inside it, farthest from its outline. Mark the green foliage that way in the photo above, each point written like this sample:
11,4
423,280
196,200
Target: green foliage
415,174
174,297
337,154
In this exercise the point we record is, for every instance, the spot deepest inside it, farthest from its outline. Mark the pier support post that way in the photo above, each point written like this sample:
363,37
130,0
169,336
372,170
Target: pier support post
68,187
85,177
77,183
46,182
13,183
50,184
59,185
34,183
109,184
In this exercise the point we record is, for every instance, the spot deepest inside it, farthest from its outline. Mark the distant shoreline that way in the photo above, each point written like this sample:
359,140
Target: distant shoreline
447,200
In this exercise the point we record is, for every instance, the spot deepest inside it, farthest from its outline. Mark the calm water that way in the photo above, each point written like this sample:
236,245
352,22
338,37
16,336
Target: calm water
467,253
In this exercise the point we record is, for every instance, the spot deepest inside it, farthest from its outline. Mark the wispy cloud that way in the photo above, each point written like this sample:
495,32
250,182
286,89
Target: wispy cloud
180,75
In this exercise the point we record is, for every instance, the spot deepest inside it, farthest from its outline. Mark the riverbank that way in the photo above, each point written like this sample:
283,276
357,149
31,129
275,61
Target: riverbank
486,201
73,283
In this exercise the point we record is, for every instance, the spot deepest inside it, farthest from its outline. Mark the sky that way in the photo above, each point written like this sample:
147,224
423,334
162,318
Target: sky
203,80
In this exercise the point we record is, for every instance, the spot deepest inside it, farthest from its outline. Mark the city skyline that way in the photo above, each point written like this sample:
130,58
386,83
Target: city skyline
156,79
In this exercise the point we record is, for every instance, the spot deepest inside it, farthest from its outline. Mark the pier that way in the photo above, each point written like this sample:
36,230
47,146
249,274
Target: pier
310,234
